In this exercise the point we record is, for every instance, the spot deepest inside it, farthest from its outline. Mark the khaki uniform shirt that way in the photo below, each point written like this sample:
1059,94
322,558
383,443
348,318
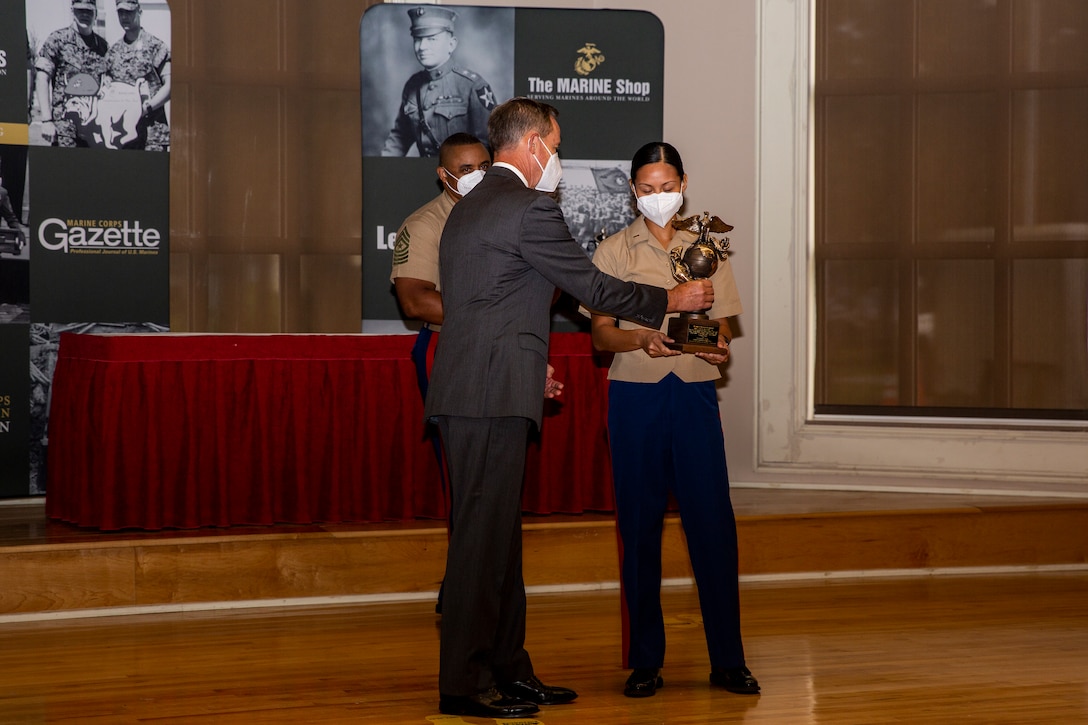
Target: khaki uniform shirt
634,255
415,253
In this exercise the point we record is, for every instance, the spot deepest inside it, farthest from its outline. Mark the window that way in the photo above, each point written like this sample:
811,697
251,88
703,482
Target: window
950,208
1034,271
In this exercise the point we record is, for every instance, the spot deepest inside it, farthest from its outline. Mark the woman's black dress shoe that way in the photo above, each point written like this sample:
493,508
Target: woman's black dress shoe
734,679
643,682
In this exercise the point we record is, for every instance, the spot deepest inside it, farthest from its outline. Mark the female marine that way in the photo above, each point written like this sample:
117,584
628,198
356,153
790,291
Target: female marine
665,435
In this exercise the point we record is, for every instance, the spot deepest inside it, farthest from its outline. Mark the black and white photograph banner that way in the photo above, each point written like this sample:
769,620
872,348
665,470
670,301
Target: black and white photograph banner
84,196
416,92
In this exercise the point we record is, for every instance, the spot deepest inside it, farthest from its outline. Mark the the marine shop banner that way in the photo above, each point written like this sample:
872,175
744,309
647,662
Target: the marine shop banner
84,196
603,70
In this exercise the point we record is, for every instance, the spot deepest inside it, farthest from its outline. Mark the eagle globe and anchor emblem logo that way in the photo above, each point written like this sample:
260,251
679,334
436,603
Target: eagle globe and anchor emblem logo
589,57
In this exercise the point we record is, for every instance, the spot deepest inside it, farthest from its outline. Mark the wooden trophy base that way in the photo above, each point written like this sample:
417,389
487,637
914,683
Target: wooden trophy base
693,332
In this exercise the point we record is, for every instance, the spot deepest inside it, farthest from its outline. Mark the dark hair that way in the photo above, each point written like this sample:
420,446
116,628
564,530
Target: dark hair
456,140
513,119
655,152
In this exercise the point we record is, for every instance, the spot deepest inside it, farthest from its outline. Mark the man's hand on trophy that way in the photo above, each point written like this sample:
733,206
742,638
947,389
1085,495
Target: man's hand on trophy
691,296
653,342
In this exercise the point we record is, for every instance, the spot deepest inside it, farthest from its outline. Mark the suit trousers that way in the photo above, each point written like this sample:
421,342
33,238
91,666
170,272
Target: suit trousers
667,436
482,642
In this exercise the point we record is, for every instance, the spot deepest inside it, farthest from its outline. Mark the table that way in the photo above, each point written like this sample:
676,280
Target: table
184,431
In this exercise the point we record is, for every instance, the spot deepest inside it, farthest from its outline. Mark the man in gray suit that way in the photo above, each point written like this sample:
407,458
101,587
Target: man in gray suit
505,249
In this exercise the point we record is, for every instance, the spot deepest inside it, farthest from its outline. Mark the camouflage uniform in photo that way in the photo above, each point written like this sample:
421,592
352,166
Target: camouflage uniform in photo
65,54
144,59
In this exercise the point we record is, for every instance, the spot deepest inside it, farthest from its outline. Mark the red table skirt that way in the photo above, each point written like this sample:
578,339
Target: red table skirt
183,431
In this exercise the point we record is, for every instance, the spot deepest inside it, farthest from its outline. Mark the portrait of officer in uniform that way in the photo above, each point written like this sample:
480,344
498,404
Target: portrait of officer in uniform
443,98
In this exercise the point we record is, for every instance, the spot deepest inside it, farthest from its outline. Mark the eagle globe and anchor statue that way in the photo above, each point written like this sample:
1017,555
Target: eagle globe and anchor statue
695,331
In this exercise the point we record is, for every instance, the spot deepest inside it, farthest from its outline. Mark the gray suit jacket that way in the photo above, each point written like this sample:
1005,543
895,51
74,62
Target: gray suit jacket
505,248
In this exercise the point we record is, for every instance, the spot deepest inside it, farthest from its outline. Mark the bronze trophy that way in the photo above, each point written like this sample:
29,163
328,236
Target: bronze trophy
695,331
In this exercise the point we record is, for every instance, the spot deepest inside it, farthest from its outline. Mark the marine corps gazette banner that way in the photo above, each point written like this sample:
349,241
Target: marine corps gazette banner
429,71
84,196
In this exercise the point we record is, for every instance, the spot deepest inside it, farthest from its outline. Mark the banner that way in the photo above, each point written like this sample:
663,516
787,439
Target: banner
602,69
84,173
100,248
14,409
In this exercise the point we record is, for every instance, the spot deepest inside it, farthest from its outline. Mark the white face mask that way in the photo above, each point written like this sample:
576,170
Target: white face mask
551,173
467,182
660,208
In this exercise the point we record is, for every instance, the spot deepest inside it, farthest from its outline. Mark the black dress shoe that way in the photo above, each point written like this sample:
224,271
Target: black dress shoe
734,679
491,703
643,682
534,691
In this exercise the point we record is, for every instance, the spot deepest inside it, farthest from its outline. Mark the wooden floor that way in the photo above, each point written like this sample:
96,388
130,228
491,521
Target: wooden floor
195,633
993,650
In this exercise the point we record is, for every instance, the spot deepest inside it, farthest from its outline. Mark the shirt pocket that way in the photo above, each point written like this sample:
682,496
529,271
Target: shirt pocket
450,107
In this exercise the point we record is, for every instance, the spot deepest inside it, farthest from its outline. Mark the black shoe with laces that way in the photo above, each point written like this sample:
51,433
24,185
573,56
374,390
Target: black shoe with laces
490,703
738,680
534,691
643,682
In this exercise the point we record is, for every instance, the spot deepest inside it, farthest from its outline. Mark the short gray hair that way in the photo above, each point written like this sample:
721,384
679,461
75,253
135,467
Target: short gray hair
513,119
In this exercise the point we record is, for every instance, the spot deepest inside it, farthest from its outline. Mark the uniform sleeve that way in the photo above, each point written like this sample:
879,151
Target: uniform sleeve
113,62
726,296
481,105
400,137
415,253
47,56
161,58
604,259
